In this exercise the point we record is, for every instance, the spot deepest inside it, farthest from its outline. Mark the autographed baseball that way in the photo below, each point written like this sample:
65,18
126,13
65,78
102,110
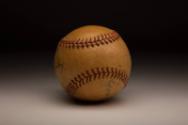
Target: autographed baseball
92,63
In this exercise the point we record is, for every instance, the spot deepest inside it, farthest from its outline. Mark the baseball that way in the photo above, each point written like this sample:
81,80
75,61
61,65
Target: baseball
92,63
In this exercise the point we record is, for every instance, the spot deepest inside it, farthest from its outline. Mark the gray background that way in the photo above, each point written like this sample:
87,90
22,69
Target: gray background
157,93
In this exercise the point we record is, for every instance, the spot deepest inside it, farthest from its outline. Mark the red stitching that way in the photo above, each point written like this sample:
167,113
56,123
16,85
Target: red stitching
90,42
96,73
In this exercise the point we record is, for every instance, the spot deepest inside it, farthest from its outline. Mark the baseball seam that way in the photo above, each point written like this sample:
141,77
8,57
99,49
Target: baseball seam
94,41
93,74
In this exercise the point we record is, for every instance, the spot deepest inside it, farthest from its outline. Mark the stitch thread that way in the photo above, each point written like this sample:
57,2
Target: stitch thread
96,73
90,42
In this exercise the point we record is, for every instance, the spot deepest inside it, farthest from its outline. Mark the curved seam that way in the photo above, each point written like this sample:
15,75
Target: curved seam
94,41
93,74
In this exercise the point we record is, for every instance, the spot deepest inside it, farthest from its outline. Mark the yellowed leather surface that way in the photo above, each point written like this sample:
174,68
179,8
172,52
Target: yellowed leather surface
92,63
